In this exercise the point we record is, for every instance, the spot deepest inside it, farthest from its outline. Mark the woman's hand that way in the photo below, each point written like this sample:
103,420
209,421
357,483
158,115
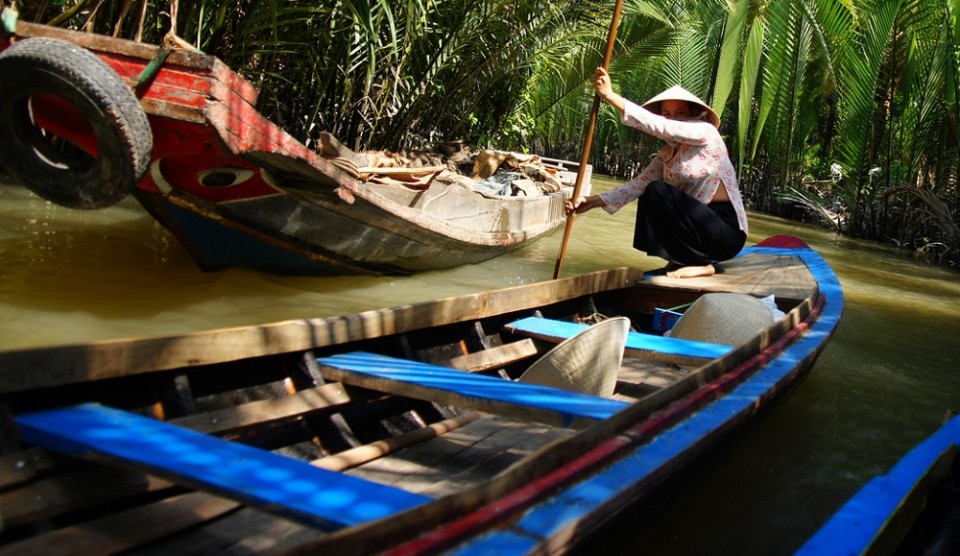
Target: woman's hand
582,204
602,84
604,88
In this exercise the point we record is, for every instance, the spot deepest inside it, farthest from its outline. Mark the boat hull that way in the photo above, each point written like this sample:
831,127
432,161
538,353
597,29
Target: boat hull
413,398
236,190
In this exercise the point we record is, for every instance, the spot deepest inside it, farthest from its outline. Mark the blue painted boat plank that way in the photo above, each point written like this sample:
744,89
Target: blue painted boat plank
557,329
487,393
258,478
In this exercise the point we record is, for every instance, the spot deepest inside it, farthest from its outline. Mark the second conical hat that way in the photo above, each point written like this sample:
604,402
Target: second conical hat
679,93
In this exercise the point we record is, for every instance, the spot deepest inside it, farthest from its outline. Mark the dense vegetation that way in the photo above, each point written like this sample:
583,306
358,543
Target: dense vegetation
848,110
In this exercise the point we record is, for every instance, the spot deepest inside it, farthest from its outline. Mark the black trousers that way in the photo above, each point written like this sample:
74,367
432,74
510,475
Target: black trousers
674,226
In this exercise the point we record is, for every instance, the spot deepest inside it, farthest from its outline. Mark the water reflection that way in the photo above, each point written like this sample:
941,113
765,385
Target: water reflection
884,382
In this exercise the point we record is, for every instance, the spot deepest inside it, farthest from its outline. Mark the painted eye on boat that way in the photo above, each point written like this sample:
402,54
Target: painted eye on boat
224,177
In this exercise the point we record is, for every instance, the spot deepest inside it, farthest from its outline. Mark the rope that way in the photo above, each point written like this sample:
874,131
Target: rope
168,45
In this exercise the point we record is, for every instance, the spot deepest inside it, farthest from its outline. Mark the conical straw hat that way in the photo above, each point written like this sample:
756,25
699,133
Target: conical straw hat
588,362
723,318
679,93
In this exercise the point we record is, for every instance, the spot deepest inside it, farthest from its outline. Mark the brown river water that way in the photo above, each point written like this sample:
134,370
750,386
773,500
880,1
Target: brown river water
885,381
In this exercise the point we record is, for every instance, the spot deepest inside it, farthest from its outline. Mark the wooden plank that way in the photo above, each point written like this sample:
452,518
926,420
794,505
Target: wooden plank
125,530
453,387
74,491
275,483
641,344
755,273
244,532
359,455
114,51
465,458
494,357
326,397
49,366
23,466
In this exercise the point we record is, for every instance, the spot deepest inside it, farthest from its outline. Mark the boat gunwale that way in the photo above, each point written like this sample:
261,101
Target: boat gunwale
39,367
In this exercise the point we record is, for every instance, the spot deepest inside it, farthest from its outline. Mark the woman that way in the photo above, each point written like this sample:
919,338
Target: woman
689,209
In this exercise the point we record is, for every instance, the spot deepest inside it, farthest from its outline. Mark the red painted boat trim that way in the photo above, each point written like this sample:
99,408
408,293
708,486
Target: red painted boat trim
486,516
783,241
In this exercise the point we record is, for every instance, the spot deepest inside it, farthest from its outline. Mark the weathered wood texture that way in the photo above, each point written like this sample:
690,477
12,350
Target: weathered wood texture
33,368
756,274
464,458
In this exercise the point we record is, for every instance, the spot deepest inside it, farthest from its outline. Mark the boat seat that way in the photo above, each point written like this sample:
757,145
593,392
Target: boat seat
259,478
476,391
639,344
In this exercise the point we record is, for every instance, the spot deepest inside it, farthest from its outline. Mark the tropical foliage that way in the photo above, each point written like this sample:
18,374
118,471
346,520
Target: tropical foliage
849,108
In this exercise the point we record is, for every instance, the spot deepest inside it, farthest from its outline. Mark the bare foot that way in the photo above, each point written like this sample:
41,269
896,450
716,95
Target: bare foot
692,271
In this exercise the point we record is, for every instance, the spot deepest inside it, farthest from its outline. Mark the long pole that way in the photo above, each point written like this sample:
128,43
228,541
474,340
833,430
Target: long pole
588,143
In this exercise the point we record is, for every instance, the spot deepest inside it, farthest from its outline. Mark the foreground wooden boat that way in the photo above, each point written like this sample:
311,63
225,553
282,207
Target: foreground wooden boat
418,439
912,509
235,189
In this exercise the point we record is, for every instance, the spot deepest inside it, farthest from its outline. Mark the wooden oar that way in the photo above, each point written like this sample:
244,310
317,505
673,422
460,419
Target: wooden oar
588,143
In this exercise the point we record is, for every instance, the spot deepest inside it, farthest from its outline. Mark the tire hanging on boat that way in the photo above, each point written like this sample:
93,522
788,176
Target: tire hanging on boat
112,143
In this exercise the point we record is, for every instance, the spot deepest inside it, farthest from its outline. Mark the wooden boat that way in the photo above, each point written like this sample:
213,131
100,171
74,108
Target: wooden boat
89,119
399,430
912,509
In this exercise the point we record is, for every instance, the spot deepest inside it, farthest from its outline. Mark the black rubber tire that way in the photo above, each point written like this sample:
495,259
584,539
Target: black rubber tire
62,173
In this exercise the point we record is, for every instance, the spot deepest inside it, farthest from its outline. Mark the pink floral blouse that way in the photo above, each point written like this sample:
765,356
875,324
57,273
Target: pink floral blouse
694,159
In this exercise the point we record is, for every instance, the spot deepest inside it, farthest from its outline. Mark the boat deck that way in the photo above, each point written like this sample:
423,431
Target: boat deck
760,275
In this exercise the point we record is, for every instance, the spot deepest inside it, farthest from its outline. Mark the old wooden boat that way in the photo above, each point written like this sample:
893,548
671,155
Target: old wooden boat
407,430
912,509
88,119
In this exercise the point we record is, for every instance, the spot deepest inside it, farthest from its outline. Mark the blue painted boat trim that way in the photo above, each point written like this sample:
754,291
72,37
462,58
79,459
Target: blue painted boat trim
856,525
222,247
563,511
635,340
259,478
569,405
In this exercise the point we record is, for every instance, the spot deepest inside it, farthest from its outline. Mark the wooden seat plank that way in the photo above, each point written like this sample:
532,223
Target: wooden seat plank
450,386
557,331
258,478
491,358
